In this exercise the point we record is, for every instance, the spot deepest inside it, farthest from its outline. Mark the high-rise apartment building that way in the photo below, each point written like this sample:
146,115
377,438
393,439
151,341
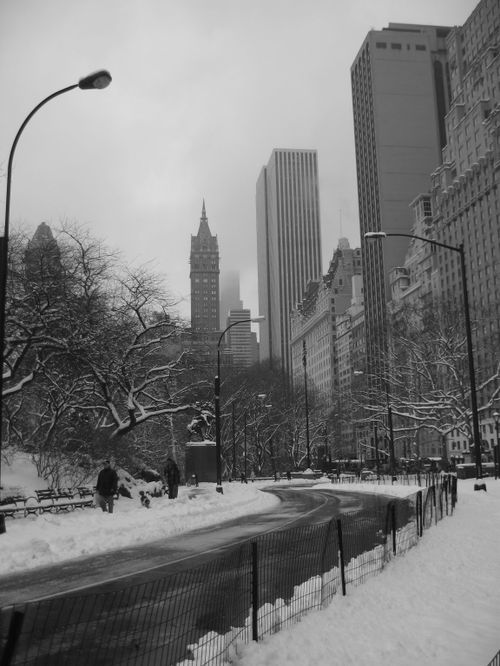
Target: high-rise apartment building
288,244
466,193
204,276
400,90
313,322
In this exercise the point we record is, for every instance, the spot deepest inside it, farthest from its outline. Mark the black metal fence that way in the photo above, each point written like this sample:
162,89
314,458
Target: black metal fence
202,615
496,660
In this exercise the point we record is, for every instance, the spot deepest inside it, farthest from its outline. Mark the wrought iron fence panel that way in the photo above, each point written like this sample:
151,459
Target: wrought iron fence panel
201,616
149,623
291,564
364,544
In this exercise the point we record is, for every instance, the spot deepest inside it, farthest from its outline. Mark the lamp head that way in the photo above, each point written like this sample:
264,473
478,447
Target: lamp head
496,416
96,80
369,235
258,318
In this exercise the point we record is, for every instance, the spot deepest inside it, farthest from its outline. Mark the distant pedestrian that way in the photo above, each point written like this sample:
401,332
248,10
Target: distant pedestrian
243,478
106,487
288,475
173,478
252,476
145,500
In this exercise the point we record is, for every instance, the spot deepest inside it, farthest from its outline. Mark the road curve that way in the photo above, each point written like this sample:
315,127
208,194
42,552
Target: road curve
152,560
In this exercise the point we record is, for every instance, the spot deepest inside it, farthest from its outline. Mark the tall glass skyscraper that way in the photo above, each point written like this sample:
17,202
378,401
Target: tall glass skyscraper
288,244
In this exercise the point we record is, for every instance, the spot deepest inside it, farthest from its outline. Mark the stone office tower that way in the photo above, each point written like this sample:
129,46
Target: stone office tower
204,276
401,91
288,244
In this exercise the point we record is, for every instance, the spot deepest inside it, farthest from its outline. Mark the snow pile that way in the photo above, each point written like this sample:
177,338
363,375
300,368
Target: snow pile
54,537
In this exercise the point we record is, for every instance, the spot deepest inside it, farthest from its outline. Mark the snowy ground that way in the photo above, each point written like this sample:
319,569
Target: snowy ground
439,604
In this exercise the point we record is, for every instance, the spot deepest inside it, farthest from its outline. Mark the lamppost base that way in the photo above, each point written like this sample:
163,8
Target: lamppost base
219,489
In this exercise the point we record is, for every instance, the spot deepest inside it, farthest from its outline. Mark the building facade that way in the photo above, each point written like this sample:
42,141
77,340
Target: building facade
466,198
204,276
241,342
313,321
288,244
400,91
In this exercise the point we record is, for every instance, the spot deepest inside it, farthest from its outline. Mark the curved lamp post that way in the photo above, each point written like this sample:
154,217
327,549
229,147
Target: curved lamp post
95,81
468,330
218,487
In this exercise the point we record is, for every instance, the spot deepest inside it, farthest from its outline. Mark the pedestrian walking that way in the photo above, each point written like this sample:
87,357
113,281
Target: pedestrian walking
106,487
172,478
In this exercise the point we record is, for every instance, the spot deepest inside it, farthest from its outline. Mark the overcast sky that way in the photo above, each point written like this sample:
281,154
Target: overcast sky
202,91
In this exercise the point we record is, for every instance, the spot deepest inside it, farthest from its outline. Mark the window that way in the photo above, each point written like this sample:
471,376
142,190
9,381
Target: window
396,46
420,47
381,45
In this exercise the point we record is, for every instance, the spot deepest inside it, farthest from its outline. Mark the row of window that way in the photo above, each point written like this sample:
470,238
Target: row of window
397,47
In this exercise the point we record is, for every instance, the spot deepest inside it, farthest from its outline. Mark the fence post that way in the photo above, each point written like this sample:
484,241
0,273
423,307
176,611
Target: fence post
434,504
453,492
420,514
16,623
255,592
446,492
390,523
3,529
341,555
393,526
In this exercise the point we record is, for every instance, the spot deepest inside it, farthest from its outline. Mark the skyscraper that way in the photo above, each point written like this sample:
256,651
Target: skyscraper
288,244
229,295
204,276
400,90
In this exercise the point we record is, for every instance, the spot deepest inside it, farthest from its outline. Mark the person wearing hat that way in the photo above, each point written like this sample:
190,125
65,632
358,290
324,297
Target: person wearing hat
106,487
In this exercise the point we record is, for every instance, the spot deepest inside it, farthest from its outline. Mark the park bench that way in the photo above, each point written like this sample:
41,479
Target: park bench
47,500
11,506
52,500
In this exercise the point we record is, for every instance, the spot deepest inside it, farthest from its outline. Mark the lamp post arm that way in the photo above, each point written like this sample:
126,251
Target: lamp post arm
14,145
427,240
4,244
468,331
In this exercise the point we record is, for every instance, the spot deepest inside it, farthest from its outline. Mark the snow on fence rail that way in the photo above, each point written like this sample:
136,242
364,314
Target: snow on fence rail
201,616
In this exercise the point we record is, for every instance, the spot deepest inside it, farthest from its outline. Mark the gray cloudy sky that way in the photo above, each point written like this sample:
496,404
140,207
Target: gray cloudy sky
202,91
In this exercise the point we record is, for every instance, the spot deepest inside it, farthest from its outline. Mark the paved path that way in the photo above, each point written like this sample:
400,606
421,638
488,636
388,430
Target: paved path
140,564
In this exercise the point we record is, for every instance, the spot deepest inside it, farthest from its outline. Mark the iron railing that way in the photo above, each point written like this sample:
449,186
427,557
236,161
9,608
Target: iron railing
203,615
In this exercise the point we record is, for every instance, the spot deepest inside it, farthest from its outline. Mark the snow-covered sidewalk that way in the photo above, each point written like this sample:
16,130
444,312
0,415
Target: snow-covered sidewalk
439,604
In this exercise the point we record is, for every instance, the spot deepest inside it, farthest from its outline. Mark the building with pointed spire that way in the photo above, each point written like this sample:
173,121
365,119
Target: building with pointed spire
204,276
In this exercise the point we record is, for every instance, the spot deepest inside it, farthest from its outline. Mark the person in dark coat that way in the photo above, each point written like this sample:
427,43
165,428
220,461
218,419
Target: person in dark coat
106,487
172,478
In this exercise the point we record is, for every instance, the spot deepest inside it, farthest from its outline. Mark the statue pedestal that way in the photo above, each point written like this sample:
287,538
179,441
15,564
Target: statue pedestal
201,460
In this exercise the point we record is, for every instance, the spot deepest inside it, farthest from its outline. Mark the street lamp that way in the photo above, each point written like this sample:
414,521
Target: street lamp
496,450
468,330
95,81
217,399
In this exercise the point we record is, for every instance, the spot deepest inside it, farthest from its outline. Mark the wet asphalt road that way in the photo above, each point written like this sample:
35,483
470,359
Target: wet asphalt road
140,564
145,605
